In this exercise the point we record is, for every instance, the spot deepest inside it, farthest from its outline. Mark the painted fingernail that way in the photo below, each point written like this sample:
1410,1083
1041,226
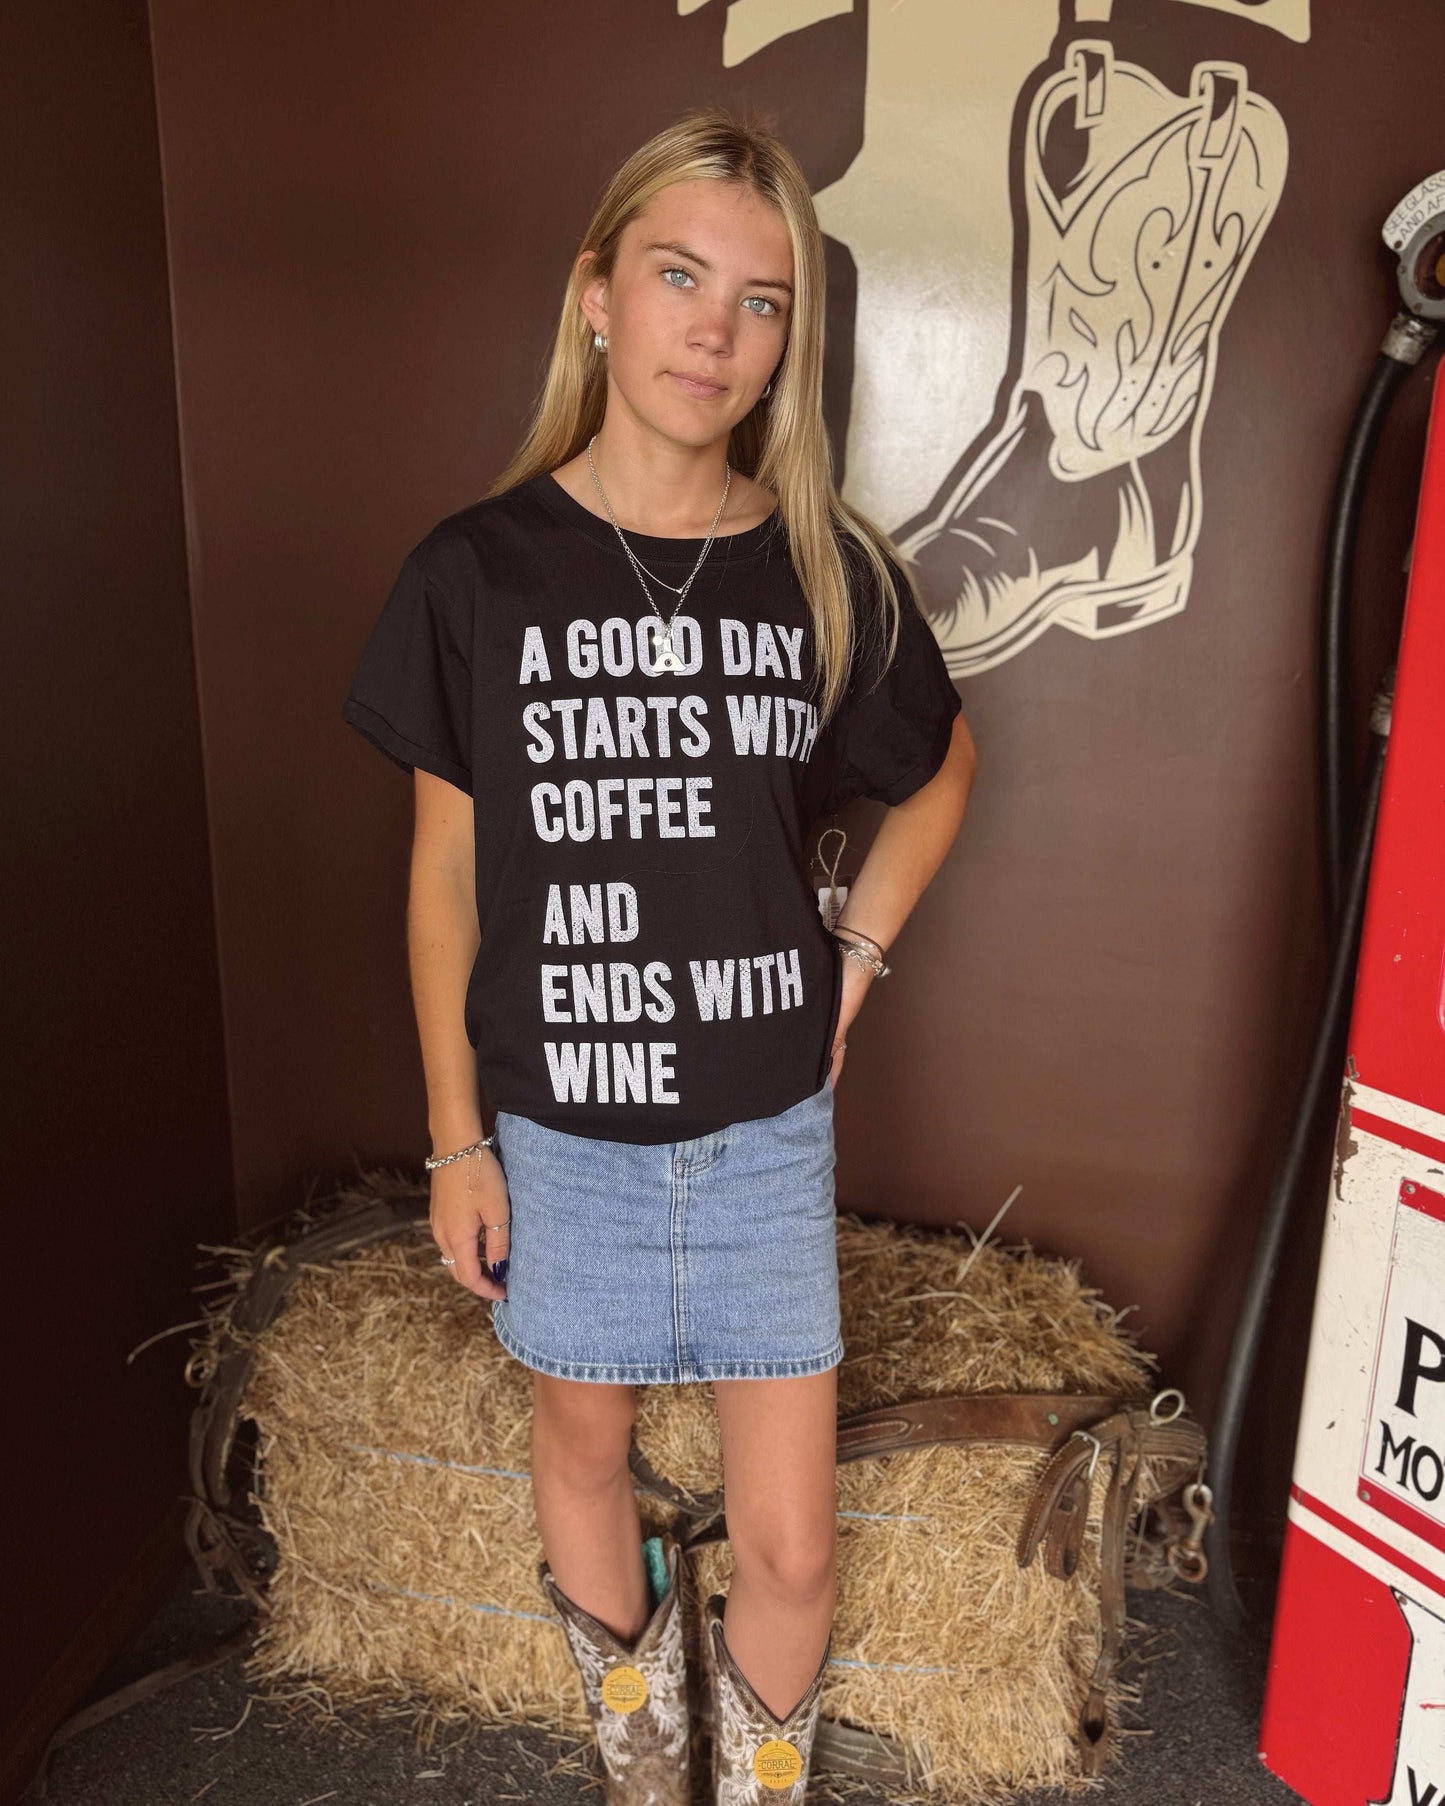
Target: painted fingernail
499,1270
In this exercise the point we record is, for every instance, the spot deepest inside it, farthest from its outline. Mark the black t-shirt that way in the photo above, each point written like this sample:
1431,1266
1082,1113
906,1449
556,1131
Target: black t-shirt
653,962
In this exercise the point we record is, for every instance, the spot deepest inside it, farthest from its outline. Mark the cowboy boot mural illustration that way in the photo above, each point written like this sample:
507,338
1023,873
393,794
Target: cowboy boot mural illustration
1083,509
1139,208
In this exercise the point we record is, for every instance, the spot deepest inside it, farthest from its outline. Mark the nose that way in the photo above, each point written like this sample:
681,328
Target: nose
712,329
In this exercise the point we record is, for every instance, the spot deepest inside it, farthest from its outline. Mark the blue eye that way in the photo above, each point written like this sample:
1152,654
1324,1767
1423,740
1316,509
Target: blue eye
673,270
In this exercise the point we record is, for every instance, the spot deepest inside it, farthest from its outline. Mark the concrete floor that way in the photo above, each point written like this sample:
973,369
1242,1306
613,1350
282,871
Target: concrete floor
1191,1738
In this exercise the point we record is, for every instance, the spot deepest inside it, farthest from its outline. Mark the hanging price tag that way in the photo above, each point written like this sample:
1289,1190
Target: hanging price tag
831,899
834,894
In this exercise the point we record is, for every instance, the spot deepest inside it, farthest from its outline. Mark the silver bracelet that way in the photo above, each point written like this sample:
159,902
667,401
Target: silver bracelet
848,928
870,961
461,1153
450,1260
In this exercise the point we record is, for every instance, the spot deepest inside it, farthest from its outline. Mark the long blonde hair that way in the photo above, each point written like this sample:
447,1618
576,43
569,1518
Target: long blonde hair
783,442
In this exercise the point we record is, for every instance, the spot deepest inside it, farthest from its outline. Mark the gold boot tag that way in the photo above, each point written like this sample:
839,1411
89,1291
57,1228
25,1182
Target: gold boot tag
624,1689
777,1763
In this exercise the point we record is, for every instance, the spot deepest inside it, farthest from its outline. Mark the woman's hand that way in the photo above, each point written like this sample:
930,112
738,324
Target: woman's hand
856,980
473,1225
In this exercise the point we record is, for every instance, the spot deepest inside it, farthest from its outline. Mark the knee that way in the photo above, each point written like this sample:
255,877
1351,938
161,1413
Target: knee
796,1563
581,1437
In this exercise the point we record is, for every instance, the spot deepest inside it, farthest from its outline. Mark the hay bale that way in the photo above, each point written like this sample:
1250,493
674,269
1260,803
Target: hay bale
391,1473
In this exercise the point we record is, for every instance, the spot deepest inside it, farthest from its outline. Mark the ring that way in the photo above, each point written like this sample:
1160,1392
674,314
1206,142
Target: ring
449,1260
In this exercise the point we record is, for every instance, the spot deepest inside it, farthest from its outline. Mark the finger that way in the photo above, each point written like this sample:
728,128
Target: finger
497,1248
468,1270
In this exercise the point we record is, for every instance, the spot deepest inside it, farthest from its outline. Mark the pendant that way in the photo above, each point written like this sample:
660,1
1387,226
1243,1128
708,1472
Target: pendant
664,656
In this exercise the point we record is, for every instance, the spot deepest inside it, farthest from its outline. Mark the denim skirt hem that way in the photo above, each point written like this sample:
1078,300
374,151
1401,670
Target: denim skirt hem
664,1263
638,1374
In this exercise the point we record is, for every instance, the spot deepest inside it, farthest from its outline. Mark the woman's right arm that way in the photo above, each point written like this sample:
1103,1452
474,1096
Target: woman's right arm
442,939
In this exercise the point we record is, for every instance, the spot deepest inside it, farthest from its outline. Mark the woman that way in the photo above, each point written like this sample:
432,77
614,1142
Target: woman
628,681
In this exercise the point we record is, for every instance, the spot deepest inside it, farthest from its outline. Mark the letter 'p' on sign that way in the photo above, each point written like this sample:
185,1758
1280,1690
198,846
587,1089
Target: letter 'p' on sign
1402,1467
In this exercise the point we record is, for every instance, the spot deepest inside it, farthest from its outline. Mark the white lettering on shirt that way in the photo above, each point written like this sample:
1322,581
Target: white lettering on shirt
606,992
616,727
620,646
534,657
616,1071
615,721
783,725
712,984
583,810
756,655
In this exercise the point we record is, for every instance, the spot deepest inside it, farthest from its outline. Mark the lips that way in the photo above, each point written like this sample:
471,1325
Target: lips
701,386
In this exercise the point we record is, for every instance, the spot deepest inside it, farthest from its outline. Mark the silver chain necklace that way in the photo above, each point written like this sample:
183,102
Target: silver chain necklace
665,656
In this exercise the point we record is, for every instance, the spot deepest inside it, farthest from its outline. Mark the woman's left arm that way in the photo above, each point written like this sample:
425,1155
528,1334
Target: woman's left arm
907,850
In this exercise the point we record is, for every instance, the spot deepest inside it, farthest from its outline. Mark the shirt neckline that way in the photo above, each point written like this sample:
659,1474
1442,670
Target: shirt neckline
660,549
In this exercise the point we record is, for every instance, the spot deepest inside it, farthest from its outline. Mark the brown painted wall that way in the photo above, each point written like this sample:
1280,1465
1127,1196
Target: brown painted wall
116,1156
1104,997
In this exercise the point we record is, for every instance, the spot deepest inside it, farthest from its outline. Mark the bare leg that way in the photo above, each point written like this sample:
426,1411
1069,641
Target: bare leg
586,1507
780,1446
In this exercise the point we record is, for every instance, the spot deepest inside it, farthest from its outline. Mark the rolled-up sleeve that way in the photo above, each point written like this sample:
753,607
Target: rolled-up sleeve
894,733
411,695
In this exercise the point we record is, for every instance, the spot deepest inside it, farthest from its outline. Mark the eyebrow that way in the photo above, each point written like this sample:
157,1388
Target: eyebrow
677,250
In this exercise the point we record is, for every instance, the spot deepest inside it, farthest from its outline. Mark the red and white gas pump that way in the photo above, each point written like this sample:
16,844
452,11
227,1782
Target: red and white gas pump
1354,1708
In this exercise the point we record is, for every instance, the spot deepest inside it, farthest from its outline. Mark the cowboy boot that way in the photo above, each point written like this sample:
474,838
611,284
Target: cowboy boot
1082,510
636,1692
757,1759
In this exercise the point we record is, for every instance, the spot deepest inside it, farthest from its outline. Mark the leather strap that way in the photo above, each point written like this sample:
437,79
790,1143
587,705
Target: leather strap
238,1642
870,1755
1031,1419
1035,1419
1058,1511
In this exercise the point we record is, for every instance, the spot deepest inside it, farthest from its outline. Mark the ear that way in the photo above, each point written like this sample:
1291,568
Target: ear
593,295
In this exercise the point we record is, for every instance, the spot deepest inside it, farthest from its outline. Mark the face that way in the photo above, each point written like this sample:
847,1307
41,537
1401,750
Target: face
697,311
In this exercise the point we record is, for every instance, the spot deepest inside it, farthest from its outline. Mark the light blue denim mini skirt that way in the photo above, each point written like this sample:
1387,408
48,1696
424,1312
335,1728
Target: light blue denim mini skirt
714,1258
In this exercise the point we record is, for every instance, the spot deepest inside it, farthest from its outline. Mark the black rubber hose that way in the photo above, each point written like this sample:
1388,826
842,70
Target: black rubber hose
1320,1084
1335,805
